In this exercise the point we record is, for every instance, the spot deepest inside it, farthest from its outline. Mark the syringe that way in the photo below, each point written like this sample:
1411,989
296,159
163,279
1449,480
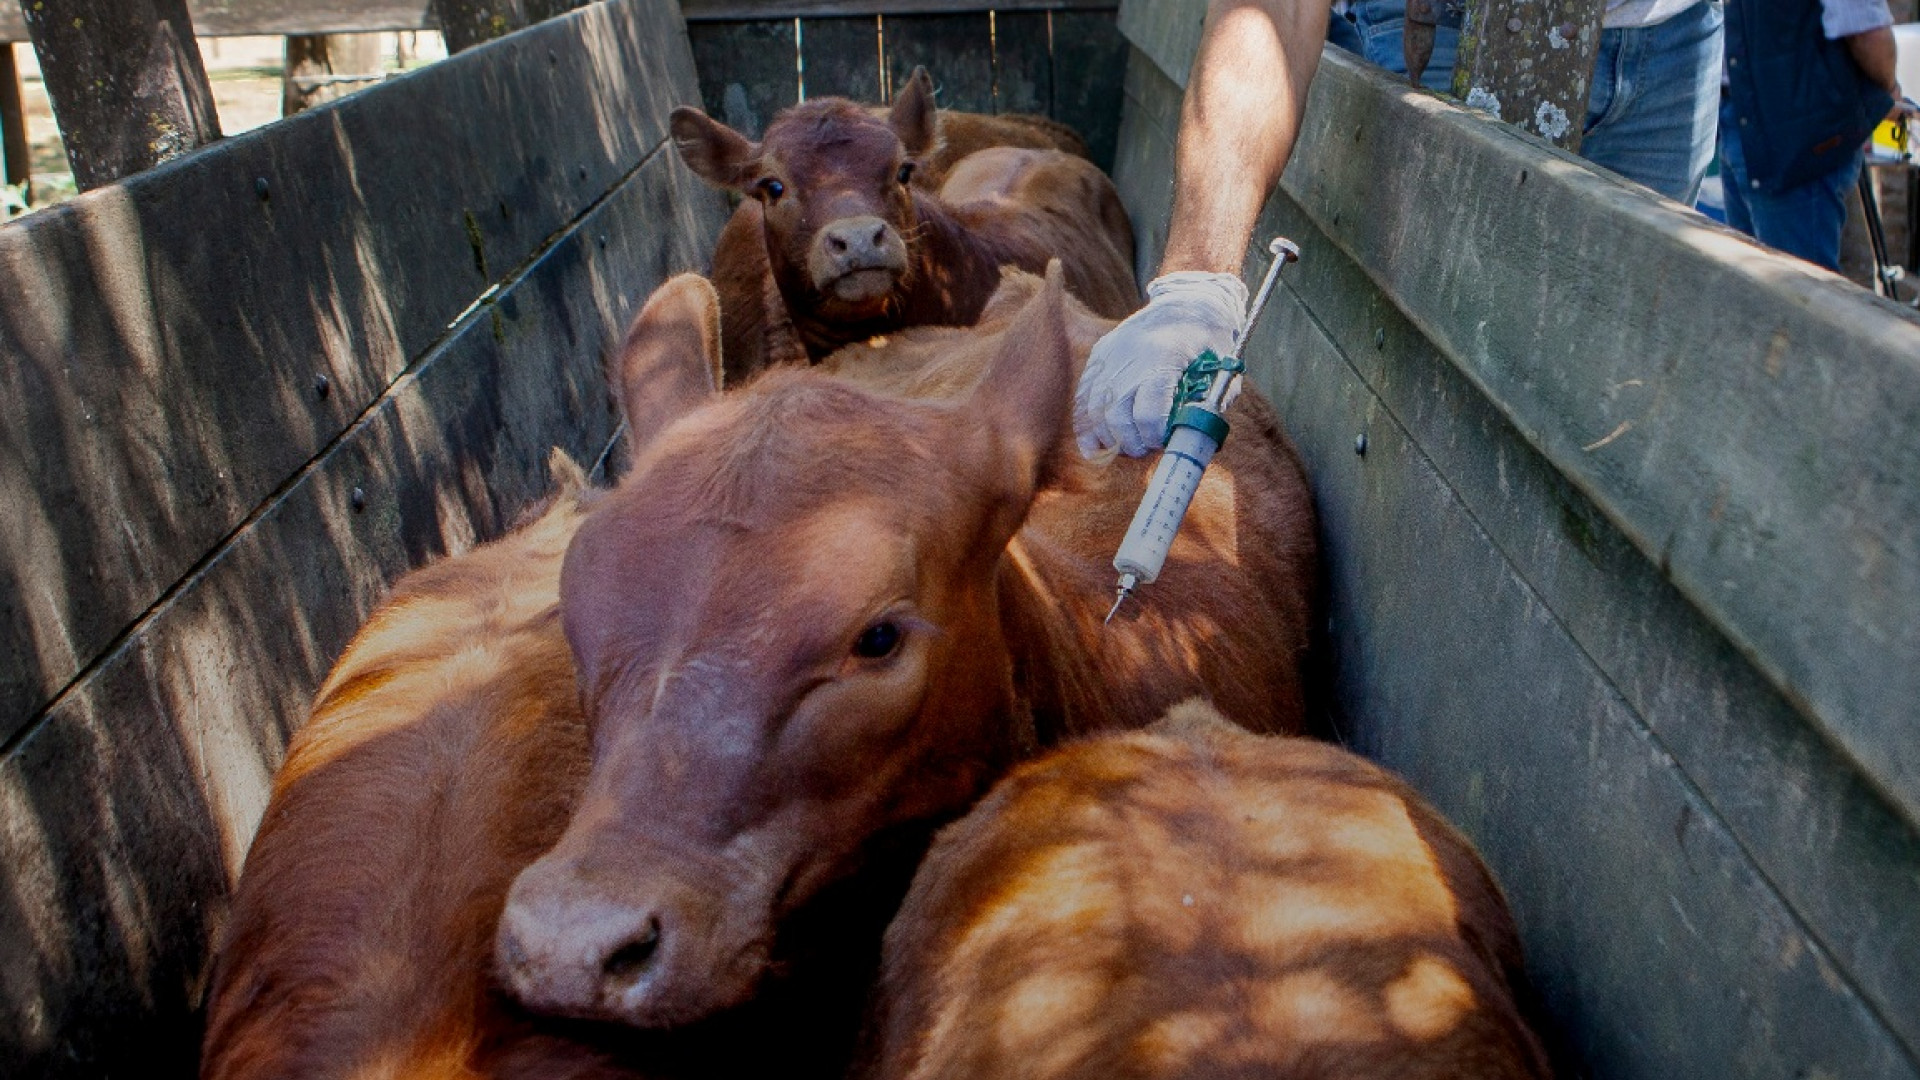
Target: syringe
1196,429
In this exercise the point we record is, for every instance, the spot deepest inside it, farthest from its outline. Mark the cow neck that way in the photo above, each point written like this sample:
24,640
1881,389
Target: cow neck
968,262
1044,645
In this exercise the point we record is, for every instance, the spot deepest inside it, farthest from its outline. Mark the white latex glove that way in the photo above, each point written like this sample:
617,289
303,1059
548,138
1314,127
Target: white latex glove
1127,389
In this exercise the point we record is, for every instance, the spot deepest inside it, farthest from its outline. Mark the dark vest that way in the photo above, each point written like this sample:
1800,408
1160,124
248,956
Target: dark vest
1802,104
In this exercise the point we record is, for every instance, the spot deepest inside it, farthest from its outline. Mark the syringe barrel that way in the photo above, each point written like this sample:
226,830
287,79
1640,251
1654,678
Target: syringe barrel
1175,479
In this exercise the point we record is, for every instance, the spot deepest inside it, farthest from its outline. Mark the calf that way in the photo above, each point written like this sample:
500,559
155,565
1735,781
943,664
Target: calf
820,618
837,243
443,755
1196,901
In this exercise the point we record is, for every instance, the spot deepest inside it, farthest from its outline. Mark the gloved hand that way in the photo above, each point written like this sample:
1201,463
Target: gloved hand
1127,389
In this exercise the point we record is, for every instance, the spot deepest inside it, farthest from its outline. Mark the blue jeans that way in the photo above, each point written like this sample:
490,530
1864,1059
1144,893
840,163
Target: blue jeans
1655,89
1804,221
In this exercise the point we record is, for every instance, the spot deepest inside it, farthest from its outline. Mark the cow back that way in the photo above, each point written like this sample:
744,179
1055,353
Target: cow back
441,756
1197,901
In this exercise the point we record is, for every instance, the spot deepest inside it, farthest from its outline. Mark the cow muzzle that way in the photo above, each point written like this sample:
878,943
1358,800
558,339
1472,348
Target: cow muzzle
857,259
650,955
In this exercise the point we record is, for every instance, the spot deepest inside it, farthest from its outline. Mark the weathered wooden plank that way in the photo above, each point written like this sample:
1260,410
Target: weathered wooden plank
124,817
1656,944
1168,31
706,10
841,57
1089,73
957,50
126,83
1023,63
1704,429
748,70
1836,852
1530,63
1823,864
1143,164
278,18
164,375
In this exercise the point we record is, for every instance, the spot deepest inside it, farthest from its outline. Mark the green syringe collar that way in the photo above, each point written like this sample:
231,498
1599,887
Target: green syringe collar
1195,382
1208,423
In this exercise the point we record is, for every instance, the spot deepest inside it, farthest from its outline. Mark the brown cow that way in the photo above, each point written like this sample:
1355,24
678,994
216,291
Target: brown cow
837,243
808,634
1196,901
359,940
442,756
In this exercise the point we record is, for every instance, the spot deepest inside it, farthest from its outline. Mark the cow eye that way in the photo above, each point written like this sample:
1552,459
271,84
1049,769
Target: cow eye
877,641
773,188
906,172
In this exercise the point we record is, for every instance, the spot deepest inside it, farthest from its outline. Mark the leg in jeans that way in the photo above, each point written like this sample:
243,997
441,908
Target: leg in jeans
1804,221
1651,114
1381,25
1656,90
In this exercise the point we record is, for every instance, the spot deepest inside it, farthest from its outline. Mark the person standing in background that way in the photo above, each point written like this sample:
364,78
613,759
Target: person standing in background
1656,82
1806,81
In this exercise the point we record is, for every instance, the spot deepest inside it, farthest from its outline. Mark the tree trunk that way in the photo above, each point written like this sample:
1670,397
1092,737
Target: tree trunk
126,83
466,23
13,124
322,67
1530,63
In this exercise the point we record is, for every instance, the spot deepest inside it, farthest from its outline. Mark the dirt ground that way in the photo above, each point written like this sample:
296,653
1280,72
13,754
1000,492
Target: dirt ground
246,76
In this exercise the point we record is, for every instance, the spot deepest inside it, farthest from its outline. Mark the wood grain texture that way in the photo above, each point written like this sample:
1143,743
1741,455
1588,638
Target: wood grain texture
1478,587
841,57
1657,945
163,379
124,816
957,50
1023,63
1089,75
1700,415
704,10
748,71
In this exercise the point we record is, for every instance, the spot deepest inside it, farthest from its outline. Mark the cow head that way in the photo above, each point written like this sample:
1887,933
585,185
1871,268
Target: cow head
787,633
835,181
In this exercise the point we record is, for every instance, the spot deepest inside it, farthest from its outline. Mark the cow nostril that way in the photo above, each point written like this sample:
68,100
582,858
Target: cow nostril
626,963
836,245
879,234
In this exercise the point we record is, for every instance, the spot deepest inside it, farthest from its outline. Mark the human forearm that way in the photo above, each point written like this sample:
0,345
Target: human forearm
1874,52
1238,124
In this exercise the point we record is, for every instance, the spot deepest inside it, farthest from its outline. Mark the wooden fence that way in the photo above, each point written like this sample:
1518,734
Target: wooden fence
1623,550
1060,59
239,394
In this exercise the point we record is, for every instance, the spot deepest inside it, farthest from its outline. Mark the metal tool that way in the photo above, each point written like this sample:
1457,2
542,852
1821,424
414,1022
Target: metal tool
1195,430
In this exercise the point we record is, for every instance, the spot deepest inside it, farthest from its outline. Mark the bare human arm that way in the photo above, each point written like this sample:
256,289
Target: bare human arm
1242,112
1238,123
1874,52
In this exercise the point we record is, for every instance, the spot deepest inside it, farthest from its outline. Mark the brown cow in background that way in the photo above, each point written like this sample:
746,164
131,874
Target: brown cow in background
837,240
1196,902
820,618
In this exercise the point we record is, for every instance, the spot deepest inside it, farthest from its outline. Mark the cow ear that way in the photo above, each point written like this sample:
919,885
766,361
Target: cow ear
912,116
715,152
1021,405
670,361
